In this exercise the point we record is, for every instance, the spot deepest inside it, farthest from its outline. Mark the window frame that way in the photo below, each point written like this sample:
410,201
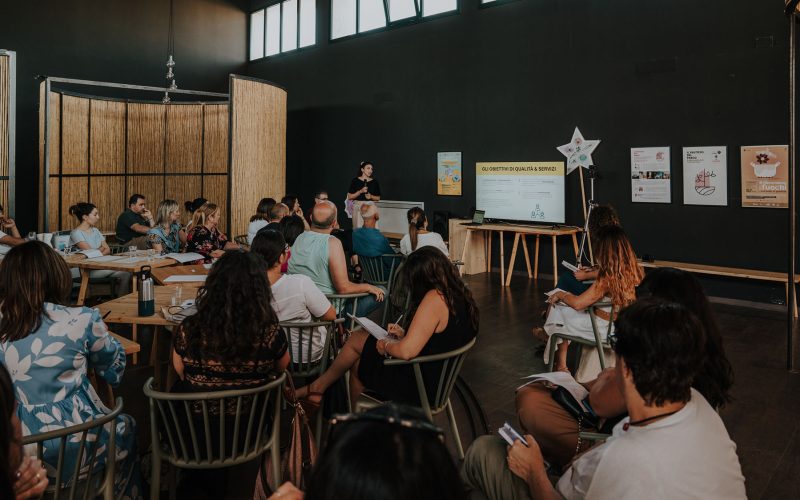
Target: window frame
390,25
281,52
495,3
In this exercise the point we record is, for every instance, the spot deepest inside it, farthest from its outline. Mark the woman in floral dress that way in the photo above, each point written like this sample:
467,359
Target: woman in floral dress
204,237
47,348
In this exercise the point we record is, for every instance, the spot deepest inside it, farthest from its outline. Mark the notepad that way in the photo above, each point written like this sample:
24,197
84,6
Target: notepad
569,266
91,254
183,278
184,257
370,326
562,379
554,290
106,258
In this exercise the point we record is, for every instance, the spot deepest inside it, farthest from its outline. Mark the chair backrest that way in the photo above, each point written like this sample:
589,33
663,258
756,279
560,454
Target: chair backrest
242,240
451,366
302,364
598,339
375,271
398,300
338,300
253,429
83,482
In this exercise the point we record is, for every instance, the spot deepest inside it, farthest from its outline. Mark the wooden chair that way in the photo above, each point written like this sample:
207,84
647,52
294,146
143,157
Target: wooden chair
598,343
302,366
241,240
439,401
375,273
185,439
84,482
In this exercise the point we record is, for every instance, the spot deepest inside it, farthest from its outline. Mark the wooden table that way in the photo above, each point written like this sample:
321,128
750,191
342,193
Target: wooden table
85,265
161,274
125,309
520,233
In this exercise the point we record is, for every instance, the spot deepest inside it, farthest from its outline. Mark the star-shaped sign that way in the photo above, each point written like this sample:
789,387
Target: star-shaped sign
578,151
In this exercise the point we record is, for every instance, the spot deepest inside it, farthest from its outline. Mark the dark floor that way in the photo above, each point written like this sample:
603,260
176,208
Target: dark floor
763,419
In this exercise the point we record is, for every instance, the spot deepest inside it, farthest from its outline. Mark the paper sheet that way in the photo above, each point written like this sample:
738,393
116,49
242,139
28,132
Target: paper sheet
106,258
554,290
569,266
91,254
562,379
182,278
183,257
370,326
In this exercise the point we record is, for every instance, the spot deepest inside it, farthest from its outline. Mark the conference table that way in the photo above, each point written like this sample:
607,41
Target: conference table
186,275
520,233
118,262
125,310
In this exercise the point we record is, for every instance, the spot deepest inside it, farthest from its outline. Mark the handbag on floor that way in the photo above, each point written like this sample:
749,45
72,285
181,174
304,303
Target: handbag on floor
297,460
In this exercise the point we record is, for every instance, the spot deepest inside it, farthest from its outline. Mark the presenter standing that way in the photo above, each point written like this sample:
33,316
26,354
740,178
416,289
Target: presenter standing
363,188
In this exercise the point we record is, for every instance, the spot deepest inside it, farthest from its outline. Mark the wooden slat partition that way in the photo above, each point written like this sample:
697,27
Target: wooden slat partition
258,147
104,150
215,189
5,95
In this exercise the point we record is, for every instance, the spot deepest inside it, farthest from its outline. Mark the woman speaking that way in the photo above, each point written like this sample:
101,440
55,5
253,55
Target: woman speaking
364,187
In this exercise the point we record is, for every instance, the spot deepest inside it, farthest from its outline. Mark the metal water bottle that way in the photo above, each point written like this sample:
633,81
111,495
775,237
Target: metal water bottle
147,298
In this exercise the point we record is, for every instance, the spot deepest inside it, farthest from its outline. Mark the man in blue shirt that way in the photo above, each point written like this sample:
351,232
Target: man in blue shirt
368,240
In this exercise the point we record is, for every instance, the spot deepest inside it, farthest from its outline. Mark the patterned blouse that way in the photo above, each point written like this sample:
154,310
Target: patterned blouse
204,372
204,241
170,243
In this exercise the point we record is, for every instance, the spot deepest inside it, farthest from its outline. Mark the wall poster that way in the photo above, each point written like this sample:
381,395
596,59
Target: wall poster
705,175
448,180
650,175
765,176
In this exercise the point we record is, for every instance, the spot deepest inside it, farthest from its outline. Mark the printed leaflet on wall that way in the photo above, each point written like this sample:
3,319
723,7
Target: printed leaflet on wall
650,175
705,175
449,169
765,176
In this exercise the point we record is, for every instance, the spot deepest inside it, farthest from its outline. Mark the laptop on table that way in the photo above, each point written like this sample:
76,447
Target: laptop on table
477,218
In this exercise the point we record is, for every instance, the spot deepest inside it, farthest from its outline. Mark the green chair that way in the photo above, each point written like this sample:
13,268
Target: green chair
338,302
598,343
84,482
375,273
185,439
439,401
301,366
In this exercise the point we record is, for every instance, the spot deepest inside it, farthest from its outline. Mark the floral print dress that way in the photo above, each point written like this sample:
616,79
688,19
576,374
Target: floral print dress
49,371
204,241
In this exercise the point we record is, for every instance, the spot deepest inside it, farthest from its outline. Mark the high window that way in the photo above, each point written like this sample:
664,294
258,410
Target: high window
350,17
283,27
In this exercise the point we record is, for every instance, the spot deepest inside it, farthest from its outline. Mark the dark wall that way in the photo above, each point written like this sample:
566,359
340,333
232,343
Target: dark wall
510,82
114,41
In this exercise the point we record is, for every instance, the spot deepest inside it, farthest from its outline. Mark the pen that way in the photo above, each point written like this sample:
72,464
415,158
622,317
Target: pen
106,315
397,321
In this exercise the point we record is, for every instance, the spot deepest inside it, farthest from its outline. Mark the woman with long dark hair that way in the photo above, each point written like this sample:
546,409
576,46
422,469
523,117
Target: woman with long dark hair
444,317
556,431
363,187
260,219
49,347
418,235
86,236
205,237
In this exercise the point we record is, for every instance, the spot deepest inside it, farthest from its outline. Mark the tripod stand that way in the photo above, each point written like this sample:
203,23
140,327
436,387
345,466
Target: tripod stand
585,238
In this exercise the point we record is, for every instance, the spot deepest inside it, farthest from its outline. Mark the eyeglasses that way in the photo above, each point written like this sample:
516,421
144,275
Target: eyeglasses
408,423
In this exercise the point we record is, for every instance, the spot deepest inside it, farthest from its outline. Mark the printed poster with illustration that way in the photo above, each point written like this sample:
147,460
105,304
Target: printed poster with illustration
765,176
448,181
705,175
650,175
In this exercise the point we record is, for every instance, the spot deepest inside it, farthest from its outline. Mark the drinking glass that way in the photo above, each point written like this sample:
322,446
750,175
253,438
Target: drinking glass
32,236
132,251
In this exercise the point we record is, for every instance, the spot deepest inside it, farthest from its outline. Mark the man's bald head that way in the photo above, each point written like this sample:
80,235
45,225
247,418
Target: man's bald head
323,215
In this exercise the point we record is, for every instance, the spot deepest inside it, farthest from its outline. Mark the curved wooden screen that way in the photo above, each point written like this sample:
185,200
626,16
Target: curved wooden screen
7,104
103,151
258,147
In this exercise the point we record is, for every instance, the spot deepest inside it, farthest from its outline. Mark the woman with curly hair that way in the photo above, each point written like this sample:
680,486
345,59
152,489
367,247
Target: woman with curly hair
444,317
618,275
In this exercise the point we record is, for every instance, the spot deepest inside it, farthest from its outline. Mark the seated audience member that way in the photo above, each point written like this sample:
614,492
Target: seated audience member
293,203
232,342
21,476
87,237
205,238
556,430
391,452
291,227
135,222
48,347
9,233
191,208
167,236
294,296
260,219
368,241
573,281
672,445
617,278
320,256
418,235
276,215
445,318
318,197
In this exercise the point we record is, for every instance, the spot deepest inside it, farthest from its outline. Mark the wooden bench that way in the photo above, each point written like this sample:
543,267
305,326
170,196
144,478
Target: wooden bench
731,272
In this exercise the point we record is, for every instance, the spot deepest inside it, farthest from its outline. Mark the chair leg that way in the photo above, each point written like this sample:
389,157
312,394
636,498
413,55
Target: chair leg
173,482
155,475
276,466
454,429
552,354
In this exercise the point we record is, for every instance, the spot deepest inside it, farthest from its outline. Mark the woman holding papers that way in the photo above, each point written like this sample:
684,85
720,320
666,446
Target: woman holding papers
618,275
556,430
204,237
167,236
444,317
87,237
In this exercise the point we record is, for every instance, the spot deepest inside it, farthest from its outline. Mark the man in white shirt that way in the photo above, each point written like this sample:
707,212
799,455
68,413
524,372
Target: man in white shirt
671,445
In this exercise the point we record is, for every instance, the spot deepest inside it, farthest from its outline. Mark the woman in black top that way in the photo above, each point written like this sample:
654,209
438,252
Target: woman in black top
364,187
444,317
